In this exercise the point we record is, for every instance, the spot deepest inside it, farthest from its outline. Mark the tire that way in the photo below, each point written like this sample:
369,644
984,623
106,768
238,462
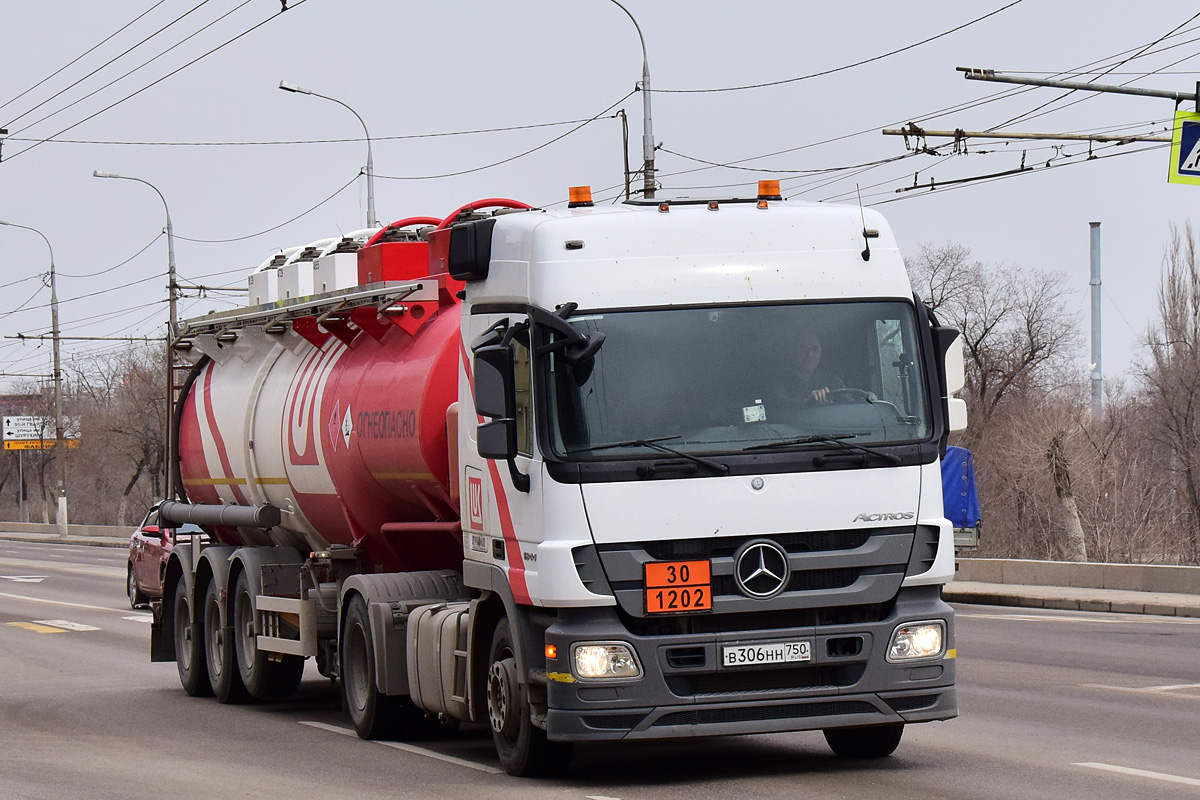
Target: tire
263,678
522,747
871,741
375,715
220,658
189,646
136,598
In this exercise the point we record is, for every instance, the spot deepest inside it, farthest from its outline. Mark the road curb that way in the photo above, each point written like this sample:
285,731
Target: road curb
1062,603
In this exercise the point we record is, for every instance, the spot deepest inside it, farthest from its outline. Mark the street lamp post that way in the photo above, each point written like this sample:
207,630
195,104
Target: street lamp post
172,286
647,121
59,433
172,330
370,169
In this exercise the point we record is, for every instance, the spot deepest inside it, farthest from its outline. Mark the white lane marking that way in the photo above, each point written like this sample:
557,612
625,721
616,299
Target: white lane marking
1148,689
1140,773
408,748
1096,620
66,625
24,578
599,797
60,603
140,618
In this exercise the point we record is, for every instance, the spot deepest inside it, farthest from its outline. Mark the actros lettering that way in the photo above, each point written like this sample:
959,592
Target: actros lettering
885,516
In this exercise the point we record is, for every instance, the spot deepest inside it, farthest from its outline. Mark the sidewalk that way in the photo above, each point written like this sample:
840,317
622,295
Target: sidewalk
1073,598
54,538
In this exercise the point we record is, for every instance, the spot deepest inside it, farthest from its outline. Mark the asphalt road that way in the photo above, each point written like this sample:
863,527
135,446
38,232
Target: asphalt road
1053,704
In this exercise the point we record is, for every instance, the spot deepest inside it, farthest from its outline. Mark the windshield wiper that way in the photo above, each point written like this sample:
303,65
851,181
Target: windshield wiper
653,444
836,438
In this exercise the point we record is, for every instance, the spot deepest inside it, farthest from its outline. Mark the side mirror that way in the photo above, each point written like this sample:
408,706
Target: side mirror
957,408
956,373
152,530
495,395
498,439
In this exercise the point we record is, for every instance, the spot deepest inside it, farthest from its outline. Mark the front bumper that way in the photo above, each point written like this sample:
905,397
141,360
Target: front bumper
684,692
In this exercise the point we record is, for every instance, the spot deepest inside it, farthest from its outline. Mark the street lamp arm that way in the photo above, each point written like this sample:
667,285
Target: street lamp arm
39,233
647,119
372,222
172,286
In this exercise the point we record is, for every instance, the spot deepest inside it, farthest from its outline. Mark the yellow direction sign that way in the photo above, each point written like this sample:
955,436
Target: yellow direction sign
36,444
1185,148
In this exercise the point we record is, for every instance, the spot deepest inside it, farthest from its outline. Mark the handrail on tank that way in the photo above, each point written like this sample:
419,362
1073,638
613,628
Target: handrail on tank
401,223
490,202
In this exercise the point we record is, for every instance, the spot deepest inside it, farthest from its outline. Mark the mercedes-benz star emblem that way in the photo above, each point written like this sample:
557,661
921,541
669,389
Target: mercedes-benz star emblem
761,569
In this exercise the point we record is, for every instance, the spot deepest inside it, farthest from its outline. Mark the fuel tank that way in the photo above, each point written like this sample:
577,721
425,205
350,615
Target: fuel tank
345,433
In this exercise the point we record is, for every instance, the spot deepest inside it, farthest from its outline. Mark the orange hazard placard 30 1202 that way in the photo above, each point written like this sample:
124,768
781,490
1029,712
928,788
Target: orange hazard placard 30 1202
678,586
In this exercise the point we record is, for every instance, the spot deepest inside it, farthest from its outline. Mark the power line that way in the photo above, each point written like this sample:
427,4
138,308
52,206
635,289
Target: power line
280,225
288,142
295,4
845,67
102,66
80,56
62,274
519,155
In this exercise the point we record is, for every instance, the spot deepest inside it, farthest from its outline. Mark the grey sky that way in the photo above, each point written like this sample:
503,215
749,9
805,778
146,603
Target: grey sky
413,68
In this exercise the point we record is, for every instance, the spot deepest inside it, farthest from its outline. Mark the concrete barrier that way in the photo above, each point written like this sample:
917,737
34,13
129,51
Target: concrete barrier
1126,577
105,531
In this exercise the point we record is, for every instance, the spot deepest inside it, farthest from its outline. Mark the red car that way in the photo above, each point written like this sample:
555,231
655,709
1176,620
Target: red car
149,548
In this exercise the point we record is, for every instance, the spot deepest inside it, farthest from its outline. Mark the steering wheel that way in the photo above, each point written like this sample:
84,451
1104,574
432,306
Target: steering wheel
848,396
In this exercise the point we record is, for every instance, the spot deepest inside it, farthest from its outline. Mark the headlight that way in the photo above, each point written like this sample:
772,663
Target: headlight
605,660
917,640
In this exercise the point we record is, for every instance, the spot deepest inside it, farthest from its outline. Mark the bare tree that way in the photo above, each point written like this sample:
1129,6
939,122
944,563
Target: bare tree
1172,373
1017,329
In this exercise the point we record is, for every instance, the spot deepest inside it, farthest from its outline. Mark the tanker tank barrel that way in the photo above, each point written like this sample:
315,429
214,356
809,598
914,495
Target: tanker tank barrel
266,516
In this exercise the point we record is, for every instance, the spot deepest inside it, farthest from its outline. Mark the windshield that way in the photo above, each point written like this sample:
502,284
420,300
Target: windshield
729,379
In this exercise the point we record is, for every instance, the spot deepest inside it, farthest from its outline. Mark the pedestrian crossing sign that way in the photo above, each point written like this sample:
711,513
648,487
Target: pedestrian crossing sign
1185,148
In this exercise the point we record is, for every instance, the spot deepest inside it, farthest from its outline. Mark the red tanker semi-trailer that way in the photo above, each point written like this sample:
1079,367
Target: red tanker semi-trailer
537,469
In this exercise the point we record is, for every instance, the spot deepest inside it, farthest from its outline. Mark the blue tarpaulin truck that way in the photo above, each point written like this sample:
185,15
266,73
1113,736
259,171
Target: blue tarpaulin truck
959,496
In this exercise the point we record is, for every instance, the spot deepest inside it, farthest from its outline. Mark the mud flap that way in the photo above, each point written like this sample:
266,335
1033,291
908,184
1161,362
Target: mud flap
162,643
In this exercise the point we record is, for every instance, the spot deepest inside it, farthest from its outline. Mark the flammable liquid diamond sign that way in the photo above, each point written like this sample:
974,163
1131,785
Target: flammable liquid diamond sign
1185,148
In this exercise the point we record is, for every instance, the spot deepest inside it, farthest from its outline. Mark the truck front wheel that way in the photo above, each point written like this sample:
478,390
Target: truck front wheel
522,747
375,715
189,646
869,741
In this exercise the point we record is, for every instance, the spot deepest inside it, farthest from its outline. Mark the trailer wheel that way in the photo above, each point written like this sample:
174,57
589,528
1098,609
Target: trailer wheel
189,646
375,715
869,741
263,678
220,655
522,747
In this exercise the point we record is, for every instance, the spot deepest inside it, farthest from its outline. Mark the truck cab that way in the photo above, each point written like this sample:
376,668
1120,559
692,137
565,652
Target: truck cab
702,471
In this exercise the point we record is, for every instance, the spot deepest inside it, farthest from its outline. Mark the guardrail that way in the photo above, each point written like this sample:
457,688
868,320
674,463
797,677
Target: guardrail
1125,577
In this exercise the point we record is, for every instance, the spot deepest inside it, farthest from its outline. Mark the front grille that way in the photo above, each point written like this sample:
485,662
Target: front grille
716,716
612,722
808,581
768,680
815,542
829,569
